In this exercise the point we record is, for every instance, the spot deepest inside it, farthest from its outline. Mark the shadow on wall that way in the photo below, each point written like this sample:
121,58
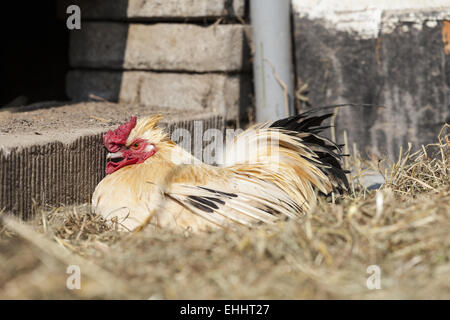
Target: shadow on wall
33,59
97,49
41,51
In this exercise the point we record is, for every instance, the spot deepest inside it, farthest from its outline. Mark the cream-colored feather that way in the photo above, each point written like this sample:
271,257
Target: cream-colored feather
277,177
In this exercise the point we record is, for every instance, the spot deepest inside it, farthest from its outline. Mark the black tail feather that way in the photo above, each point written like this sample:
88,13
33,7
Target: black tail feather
327,152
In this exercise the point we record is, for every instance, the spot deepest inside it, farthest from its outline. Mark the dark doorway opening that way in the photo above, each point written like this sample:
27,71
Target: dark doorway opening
34,54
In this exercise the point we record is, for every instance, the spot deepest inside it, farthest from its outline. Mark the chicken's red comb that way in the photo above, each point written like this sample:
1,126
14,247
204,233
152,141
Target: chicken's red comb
113,139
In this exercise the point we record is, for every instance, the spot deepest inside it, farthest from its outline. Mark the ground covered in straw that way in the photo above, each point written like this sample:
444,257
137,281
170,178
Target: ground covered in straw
404,229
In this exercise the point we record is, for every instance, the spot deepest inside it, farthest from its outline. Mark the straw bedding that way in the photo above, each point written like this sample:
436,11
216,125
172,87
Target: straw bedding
403,228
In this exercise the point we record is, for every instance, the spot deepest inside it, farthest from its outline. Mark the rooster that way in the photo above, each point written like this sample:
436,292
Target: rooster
152,181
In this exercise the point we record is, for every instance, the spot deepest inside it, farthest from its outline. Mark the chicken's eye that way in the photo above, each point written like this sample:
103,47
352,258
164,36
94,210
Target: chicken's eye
136,146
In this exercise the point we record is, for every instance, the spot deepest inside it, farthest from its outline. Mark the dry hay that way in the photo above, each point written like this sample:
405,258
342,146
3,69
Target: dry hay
402,228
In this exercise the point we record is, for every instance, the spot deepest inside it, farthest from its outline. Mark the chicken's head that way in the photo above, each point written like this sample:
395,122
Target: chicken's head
132,142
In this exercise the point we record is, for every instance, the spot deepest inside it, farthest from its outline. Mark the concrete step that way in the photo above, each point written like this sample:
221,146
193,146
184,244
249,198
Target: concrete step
162,47
154,9
55,155
218,93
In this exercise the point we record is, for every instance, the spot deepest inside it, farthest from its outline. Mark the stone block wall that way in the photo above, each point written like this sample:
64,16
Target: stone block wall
186,55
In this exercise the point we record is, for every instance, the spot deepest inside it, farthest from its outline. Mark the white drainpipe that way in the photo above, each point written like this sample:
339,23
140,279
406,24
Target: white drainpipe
272,66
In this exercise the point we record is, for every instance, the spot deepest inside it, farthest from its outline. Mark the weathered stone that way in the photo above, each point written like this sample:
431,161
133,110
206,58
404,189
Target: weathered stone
154,9
397,61
181,47
216,93
56,156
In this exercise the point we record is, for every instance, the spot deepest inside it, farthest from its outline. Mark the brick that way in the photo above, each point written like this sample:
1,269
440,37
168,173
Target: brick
153,9
180,47
218,93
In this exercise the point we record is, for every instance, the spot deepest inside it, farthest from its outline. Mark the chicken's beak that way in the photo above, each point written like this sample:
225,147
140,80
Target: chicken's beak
115,155
115,161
